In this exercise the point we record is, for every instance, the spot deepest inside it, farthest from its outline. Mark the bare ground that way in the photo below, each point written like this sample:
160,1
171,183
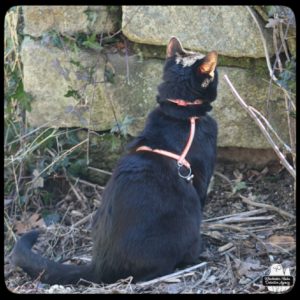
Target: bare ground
249,224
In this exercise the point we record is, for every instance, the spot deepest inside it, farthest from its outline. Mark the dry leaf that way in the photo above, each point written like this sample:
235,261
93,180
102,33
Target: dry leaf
250,268
35,221
280,243
20,227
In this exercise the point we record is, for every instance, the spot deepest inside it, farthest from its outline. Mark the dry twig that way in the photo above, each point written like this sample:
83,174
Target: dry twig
239,219
229,267
80,196
172,275
100,170
252,114
267,206
264,43
238,215
89,217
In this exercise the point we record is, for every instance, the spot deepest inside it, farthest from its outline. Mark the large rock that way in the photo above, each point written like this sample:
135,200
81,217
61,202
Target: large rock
230,30
67,19
49,75
62,91
236,128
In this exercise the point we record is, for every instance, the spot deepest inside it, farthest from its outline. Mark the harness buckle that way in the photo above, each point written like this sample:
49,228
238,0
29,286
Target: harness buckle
189,176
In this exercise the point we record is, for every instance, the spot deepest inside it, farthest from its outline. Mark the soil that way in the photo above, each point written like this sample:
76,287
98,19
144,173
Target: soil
239,248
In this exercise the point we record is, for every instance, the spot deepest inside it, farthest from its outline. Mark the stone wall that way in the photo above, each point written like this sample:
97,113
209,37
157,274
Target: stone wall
97,85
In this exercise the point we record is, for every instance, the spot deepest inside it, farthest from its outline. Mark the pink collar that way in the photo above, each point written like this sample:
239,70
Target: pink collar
181,102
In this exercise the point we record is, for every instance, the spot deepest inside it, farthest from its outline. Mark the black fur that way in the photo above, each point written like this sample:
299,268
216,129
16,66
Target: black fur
149,221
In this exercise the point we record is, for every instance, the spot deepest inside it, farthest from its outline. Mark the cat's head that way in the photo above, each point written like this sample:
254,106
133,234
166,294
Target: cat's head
189,76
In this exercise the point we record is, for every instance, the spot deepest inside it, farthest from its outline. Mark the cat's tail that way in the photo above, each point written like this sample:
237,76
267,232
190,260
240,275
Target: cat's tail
46,270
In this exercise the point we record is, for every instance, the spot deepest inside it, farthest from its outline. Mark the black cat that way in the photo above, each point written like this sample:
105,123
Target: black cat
149,221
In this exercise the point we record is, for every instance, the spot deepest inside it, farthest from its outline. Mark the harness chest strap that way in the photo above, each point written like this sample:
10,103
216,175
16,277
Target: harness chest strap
177,157
181,161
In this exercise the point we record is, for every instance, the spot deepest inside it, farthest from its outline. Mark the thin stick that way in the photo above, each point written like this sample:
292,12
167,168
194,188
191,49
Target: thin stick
268,206
264,44
229,267
80,196
225,178
283,43
242,214
279,63
94,185
84,220
271,128
100,170
239,219
262,128
266,52
7,224
33,145
271,71
163,278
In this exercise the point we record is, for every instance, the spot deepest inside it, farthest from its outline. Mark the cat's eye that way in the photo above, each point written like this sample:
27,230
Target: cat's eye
206,82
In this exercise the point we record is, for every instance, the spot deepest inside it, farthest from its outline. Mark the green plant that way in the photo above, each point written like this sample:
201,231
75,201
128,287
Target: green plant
123,127
287,78
16,100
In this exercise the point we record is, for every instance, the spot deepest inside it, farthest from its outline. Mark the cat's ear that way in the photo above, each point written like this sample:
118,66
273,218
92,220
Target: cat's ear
209,64
174,47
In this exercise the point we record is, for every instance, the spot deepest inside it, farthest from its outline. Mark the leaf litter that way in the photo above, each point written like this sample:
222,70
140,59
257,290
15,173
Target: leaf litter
246,228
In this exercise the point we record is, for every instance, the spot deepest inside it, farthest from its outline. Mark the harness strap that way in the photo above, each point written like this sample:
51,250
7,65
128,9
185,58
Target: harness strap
181,161
177,157
190,140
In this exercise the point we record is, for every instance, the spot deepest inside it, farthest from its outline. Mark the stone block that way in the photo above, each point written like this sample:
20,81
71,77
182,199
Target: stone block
230,30
51,73
67,19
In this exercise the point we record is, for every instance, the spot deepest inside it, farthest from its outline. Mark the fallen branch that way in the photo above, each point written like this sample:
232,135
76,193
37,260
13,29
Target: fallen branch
267,206
252,114
172,275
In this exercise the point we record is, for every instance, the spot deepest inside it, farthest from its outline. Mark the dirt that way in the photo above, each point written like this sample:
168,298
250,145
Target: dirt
238,249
